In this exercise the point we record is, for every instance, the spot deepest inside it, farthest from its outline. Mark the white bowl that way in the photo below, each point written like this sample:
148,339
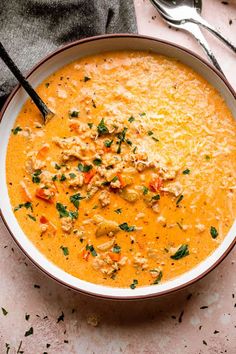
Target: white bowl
12,108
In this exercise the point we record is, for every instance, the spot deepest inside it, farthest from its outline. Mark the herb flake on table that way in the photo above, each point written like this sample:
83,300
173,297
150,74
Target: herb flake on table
61,317
29,332
4,311
182,251
214,233
126,227
65,250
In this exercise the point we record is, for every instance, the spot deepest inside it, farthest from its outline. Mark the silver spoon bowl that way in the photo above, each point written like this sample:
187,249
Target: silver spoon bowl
188,11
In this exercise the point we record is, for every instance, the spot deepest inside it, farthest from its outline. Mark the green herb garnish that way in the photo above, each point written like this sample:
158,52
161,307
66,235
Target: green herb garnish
84,168
54,178
63,178
31,217
86,78
133,285
121,137
16,130
64,213
149,133
131,119
186,172
47,84
92,250
118,211
27,205
75,199
179,199
181,252
116,249
108,143
35,176
97,162
102,128
57,167
74,114
214,233
156,197
158,278
90,125
126,227
72,175
145,190
65,250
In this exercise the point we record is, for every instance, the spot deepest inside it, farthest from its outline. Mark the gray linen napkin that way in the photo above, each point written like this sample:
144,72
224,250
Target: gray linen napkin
30,29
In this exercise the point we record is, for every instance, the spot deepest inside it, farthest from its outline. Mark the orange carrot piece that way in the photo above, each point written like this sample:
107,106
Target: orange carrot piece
40,193
155,184
42,152
115,257
88,176
85,255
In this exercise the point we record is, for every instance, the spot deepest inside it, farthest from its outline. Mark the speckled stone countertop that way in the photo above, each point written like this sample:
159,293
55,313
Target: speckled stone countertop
39,316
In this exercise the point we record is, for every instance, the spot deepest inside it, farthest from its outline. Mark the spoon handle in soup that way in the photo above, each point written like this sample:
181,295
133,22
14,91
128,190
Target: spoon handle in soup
47,114
200,21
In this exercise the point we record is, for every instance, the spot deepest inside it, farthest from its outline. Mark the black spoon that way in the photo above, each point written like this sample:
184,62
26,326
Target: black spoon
46,113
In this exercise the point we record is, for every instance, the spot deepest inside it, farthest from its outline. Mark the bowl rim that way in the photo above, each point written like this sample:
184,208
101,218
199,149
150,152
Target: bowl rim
7,103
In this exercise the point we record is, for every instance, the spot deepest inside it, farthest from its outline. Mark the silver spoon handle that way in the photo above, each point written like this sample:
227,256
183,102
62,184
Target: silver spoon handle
196,32
200,21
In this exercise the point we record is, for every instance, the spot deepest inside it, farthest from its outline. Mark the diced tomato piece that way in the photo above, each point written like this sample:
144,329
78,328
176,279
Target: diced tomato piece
85,254
42,152
115,257
40,193
73,126
155,184
43,220
88,176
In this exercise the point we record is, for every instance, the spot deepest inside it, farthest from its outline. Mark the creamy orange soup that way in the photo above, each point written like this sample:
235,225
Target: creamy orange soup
133,182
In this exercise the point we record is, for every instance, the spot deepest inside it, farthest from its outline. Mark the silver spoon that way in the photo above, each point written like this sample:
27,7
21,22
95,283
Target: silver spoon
46,113
197,34
188,11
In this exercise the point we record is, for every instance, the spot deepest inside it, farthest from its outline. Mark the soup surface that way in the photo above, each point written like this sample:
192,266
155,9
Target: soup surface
133,182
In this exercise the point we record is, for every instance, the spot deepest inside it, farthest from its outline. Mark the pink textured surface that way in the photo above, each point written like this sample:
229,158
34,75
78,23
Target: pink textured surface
197,320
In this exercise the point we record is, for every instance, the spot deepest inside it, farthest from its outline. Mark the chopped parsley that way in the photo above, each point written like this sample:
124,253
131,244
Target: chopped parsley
214,233
131,119
75,199
179,199
4,311
91,249
155,139
31,217
54,178
145,190
149,133
116,249
108,143
181,252
84,168
142,114
94,104
27,205
158,278
57,167
47,84
122,139
63,178
90,125
207,157
29,332
27,316
72,175
133,285
35,176
16,130
86,78
64,213
156,197
118,211
74,114
186,172
97,162
126,227
65,250
102,128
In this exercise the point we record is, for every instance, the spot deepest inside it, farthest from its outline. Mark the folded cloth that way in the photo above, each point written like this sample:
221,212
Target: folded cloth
30,29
